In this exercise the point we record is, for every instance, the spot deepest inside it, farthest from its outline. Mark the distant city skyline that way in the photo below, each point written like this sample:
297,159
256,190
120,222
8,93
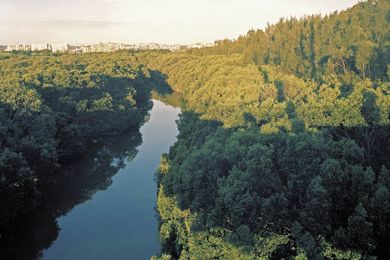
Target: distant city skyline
135,21
97,47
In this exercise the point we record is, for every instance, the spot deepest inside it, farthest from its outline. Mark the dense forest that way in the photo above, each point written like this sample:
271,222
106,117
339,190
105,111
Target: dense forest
52,109
345,45
72,184
284,142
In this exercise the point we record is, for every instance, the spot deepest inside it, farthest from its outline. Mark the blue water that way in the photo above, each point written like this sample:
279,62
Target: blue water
120,222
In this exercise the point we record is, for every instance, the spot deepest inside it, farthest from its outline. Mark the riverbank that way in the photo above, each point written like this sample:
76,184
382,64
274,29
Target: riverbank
104,205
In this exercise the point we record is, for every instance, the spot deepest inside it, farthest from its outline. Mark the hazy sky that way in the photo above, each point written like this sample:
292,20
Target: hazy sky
132,21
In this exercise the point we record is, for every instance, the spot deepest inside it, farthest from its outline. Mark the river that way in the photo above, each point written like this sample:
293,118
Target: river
119,222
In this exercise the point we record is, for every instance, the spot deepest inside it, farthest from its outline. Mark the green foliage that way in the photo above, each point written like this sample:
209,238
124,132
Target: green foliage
284,143
52,108
35,226
225,89
306,183
348,44
284,132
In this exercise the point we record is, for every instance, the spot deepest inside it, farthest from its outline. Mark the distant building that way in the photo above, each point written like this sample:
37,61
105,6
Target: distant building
208,45
101,47
86,49
40,46
59,47
18,47
105,47
200,45
75,49
12,47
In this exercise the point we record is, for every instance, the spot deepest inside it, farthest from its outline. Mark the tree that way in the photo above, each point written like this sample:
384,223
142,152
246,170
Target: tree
360,229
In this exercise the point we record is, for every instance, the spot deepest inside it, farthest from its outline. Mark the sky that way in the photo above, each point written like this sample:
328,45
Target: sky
135,21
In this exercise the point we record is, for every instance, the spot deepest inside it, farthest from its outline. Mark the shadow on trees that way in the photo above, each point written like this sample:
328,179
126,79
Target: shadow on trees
163,92
68,186
57,157
84,113
332,184
160,83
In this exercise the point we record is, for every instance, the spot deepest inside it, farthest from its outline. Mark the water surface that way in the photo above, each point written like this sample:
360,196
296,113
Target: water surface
119,222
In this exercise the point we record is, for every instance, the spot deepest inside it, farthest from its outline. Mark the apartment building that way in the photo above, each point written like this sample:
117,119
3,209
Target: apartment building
59,47
40,46
18,47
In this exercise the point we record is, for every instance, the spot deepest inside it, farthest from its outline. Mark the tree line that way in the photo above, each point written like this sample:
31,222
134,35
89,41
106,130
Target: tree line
349,45
283,149
52,108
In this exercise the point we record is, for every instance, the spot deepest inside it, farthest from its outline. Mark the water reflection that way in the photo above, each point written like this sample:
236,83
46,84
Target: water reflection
73,185
101,207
